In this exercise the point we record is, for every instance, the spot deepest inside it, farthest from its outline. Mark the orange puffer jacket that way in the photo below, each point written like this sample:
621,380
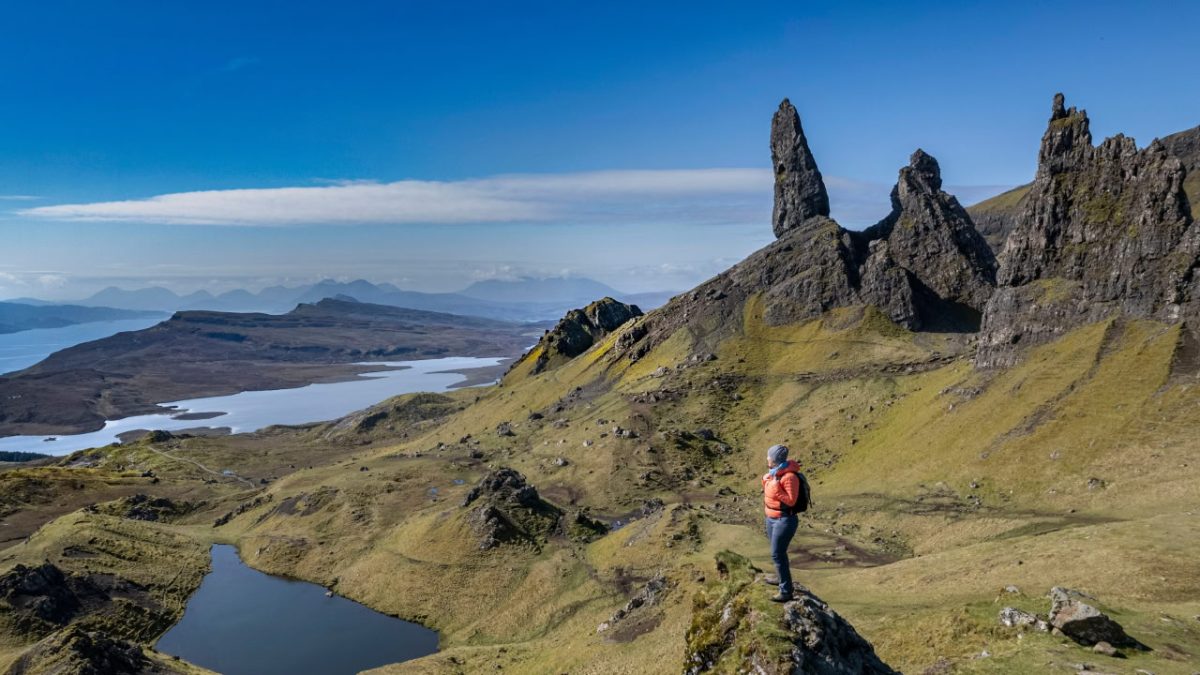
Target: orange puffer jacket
782,490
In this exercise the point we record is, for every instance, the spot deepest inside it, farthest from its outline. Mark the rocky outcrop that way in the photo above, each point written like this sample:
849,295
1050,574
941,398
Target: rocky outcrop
576,332
395,415
38,596
507,509
997,216
799,190
930,236
74,651
810,637
1104,231
645,599
145,507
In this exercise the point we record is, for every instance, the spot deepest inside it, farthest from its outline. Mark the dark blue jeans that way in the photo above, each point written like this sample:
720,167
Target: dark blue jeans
780,532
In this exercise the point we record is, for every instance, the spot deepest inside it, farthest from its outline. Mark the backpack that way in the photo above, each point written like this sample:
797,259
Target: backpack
803,500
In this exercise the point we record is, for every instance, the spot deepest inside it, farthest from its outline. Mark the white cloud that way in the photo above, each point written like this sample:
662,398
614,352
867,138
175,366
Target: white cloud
19,198
711,195
629,197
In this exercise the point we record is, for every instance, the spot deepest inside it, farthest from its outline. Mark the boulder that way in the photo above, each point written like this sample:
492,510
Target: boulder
1012,617
1082,622
825,643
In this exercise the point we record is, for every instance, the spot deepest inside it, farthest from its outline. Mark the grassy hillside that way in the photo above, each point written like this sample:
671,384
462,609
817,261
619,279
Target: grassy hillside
936,486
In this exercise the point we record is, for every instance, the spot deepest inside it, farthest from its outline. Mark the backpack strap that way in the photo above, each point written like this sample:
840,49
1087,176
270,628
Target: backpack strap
784,509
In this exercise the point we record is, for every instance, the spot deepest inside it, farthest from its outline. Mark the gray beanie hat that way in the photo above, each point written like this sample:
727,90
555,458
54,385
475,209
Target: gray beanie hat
777,454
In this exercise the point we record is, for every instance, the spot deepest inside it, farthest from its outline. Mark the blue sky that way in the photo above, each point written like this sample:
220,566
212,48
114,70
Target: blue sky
437,143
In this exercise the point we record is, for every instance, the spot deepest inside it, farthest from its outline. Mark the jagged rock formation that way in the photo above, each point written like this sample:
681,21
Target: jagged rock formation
799,190
145,507
997,216
924,265
36,596
1104,231
1186,146
37,601
930,235
74,651
576,332
814,639
926,260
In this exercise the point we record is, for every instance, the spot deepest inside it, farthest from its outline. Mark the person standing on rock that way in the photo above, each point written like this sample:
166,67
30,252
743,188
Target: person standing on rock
785,493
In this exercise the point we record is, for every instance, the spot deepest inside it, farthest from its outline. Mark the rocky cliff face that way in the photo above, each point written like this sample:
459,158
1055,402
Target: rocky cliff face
924,265
1186,146
929,238
996,217
799,190
1104,231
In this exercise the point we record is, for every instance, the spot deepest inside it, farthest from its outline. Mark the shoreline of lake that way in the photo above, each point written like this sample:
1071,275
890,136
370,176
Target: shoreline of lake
248,411
241,621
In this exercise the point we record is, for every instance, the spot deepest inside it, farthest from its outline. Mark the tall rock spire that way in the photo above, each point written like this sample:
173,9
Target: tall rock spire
930,235
799,191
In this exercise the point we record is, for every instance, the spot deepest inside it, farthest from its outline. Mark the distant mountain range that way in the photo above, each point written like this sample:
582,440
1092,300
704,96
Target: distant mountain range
524,299
19,316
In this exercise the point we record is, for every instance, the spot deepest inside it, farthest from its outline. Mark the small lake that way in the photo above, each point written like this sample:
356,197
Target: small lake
25,348
242,621
253,410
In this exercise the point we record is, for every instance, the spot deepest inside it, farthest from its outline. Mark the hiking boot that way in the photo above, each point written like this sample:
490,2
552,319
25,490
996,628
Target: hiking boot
780,597
771,581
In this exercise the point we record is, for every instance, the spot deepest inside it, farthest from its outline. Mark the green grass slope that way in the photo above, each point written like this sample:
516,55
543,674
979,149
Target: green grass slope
935,485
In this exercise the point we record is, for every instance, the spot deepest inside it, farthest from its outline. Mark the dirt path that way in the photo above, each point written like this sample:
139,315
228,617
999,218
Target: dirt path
203,468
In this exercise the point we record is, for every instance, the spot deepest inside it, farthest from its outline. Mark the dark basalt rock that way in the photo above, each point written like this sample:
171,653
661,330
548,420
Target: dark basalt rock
507,485
725,634
74,651
825,643
1104,231
931,237
576,332
144,507
45,592
1084,623
799,190
924,266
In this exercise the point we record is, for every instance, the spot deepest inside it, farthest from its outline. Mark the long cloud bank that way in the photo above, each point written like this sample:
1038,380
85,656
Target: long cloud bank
638,197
